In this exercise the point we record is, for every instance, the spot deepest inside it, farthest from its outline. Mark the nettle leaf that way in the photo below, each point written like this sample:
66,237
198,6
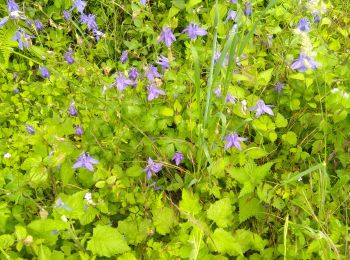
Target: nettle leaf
250,207
280,121
134,230
290,137
217,168
107,241
190,203
226,243
221,212
163,219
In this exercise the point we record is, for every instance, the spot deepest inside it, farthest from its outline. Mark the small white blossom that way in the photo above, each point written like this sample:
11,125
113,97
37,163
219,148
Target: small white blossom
7,155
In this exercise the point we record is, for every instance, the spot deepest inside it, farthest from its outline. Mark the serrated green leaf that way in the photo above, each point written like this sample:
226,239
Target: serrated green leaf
190,202
280,121
225,243
107,241
221,212
250,207
163,219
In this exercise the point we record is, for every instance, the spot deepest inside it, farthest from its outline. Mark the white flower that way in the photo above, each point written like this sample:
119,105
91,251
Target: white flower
7,155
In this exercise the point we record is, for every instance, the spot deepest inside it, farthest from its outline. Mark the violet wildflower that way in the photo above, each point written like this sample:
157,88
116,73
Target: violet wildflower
167,36
193,31
152,72
154,92
261,108
133,73
3,21
152,168
303,25
85,161
98,34
89,20
178,157
304,63
217,57
231,99
78,130
61,204
233,1
317,18
15,75
143,2
279,87
72,109
79,5
38,25
66,15
23,39
68,56
30,129
233,140
248,9
217,92
164,62
231,15
12,6
124,57
122,82
44,72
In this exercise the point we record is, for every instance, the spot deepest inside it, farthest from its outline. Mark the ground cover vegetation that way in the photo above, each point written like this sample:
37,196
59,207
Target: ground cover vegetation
174,129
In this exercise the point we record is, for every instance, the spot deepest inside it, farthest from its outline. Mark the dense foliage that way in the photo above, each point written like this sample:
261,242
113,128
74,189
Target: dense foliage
174,129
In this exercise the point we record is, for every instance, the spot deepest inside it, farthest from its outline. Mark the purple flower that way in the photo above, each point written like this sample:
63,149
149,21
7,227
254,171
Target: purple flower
167,36
231,15
12,6
66,15
98,34
247,9
85,161
233,140
217,57
78,130
68,56
44,72
303,25
89,20
164,62
23,39
38,25
178,157
154,92
230,98
152,72
60,204
261,108
317,18
3,21
79,5
217,92
304,63
72,109
233,1
143,2
124,57
152,168
193,31
14,75
279,87
133,73
122,82
30,129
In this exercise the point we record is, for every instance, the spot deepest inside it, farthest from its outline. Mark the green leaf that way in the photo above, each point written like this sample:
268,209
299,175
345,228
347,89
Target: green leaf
107,241
264,77
134,171
190,203
6,241
221,212
290,137
163,219
225,243
280,121
249,207
134,230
